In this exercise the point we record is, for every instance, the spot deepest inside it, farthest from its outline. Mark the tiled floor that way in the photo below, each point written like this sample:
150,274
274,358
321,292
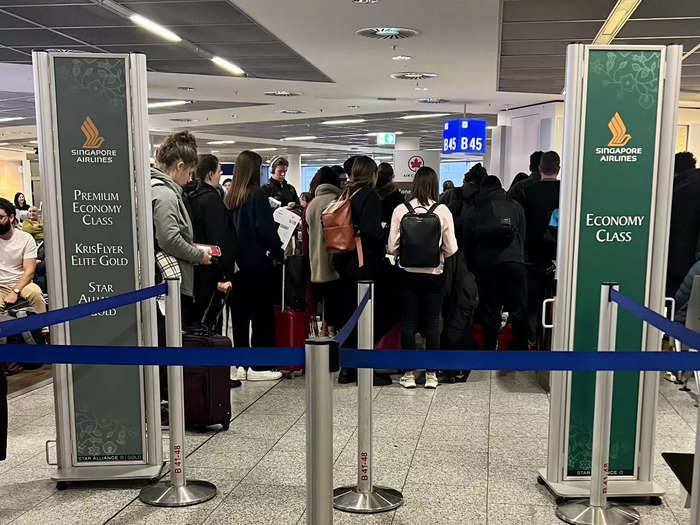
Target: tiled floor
462,454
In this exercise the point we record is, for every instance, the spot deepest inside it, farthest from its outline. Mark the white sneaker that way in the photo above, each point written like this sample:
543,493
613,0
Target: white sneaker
408,381
239,373
431,380
263,375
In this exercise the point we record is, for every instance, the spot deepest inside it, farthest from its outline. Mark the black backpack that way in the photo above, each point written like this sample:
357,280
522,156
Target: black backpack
420,238
496,225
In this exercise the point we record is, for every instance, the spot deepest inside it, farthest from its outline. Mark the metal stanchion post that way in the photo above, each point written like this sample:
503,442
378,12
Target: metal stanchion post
695,493
597,510
321,362
366,497
178,492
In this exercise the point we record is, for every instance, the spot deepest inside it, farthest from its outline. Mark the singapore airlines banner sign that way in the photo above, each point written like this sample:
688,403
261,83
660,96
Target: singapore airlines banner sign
620,130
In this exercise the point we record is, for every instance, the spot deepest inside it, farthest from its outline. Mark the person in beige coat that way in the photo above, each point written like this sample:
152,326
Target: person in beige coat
324,277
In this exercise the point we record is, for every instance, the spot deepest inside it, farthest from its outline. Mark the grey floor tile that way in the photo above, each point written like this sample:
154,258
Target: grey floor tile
346,476
459,438
524,404
264,426
8,515
387,451
294,441
516,485
393,404
25,487
522,515
505,450
237,453
279,404
516,425
279,468
273,504
347,518
449,468
31,405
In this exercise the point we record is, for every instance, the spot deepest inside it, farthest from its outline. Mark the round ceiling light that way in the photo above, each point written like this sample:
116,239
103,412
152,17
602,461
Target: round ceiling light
354,106
432,100
365,2
413,75
402,57
291,111
282,93
387,33
186,88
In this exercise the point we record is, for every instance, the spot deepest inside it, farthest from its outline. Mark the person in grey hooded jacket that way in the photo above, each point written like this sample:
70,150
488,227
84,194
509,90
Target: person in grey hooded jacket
175,160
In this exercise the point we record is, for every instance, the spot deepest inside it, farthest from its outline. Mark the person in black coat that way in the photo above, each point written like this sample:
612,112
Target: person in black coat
494,240
461,199
212,225
277,187
389,194
685,221
516,191
252,304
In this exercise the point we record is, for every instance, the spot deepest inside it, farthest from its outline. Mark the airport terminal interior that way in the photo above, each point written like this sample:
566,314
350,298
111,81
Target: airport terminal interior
541,158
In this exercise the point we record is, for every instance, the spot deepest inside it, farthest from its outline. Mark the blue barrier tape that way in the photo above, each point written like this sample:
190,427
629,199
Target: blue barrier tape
148,355
675,330
378,359
345,332
512,360
70,313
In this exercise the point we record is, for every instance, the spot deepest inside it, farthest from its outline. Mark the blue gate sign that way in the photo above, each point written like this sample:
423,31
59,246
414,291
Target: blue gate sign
464,135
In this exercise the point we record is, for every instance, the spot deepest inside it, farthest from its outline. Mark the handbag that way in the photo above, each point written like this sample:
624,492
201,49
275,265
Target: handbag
167,266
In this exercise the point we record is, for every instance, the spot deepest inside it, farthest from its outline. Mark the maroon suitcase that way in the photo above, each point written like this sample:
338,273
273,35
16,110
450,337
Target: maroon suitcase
207,389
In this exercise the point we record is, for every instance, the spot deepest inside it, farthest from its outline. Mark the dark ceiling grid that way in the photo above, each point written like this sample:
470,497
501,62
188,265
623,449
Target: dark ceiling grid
534,37
215,26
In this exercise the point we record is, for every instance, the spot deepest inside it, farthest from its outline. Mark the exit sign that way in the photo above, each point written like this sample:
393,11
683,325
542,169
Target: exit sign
386,139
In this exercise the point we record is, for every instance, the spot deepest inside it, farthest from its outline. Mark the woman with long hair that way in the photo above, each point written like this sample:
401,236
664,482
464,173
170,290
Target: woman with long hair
252,303
421,291
21,203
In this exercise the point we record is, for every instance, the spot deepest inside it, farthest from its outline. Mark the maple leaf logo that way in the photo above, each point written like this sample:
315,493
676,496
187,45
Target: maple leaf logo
416,162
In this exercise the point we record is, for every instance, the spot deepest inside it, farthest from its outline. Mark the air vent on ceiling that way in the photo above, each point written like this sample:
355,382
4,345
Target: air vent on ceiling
291,111
282,93
413,75
432,100
387,33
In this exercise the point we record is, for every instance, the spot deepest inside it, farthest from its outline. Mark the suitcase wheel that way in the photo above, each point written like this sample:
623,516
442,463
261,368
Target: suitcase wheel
226,424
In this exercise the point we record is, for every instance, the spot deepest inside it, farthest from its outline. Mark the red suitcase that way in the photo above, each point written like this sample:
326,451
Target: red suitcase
291,326
505,337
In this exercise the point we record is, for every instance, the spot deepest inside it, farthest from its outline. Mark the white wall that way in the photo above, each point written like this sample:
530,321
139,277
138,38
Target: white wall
522,131
691,117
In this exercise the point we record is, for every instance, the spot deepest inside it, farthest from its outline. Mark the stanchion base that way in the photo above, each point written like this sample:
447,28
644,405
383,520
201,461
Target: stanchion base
581,513
381,499
164,494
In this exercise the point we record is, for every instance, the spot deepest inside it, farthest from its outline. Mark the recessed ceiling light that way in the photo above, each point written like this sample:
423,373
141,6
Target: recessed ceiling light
156,29
291,111
421,88
281,93
10,119
432,100
423,115
365,2
183,120
168,104
264,149
305,137
215,142
185,88
413,75
387,33
228,66
353,106
402,57
344,121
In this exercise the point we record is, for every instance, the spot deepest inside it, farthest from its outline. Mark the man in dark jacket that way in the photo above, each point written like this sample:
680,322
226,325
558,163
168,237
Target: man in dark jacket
494,232
461,200
685,221
277,187
516,190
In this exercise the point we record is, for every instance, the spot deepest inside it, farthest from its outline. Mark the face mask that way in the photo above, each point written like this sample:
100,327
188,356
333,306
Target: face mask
5,227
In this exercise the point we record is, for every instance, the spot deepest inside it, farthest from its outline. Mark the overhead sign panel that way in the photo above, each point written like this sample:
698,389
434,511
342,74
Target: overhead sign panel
464,135
386,139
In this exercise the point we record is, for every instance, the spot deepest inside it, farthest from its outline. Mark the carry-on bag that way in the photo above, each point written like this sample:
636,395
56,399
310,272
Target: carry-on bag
291,326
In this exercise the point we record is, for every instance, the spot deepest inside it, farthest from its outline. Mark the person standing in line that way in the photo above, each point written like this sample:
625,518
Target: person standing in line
684,236
324,277
519,177
516,190
461,200
257,235
342,174
176,158
226,185
277,186
389,194
494,235
422,288
539,200
366,210
447,186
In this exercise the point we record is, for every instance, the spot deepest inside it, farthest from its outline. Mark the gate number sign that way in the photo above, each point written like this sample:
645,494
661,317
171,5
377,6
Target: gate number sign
464,136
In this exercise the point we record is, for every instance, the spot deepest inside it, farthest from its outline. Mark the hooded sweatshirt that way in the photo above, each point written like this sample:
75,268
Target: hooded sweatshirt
322,269
173,227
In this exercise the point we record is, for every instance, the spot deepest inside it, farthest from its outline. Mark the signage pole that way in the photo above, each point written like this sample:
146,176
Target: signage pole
178,492
597,510
365,498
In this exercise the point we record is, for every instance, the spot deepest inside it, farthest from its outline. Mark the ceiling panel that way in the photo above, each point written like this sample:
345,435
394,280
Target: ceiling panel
536,11
10,22
550,30
174,13
223,33
668,9
12,55
199,105
660,28
69,16
252,50
153,51
33,38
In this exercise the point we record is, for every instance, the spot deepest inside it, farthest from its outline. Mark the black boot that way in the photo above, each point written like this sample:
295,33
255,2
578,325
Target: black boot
347,375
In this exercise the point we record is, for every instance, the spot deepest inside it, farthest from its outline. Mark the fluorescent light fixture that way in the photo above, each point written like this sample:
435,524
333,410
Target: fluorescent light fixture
375,133
4,143
424,115
228,66
402,57
344,121
215,151
34,142
156,29
309,137
616,19
420,88
10,119
491,127
168,104
265,149
218,142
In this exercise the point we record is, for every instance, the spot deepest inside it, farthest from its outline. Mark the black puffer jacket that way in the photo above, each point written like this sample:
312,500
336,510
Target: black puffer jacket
281,190
460,201
685,228
460,300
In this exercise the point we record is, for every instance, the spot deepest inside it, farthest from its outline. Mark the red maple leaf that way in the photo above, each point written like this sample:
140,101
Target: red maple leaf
415,163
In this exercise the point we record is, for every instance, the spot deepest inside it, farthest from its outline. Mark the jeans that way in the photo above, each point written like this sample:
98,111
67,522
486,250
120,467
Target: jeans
503,286
252,305
421,302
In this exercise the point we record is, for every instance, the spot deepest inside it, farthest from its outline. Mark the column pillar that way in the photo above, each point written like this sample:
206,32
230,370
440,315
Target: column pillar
294,171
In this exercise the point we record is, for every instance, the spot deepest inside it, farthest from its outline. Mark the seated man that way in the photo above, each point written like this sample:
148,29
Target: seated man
17,263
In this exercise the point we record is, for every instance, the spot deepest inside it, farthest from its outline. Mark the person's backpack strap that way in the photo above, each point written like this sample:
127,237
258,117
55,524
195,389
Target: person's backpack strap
409,207
432,208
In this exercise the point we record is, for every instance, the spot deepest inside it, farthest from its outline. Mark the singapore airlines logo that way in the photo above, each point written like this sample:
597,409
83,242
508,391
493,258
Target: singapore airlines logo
92,134
617,127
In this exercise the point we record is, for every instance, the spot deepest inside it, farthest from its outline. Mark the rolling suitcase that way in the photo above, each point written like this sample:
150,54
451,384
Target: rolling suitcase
291,326
207,389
